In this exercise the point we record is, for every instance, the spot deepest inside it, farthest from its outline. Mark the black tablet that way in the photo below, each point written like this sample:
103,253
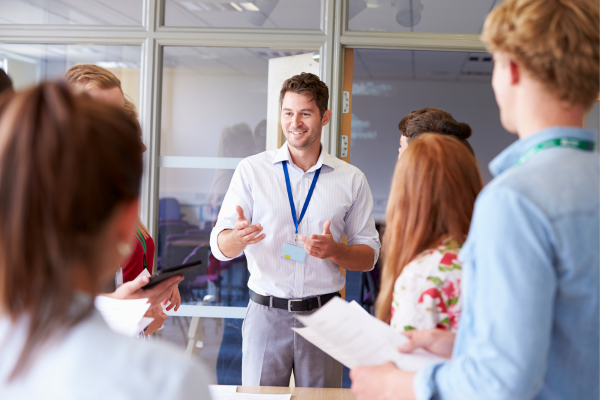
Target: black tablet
171,271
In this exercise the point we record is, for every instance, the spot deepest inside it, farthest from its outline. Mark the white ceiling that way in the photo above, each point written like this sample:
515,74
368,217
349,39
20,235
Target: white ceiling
437,16
282,14
77,12
422,65
441,16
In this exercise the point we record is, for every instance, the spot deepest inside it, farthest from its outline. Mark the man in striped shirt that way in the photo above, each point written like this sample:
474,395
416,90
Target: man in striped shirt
287,210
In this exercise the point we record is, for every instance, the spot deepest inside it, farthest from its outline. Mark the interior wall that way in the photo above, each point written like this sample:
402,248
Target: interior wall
197,108
376,113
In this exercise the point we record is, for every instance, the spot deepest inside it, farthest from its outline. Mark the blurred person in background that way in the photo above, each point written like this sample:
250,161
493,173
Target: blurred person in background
70,170
103,85
432,120
429,211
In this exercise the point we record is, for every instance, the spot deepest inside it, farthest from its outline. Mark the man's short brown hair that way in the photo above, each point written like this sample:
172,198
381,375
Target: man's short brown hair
555,41
307,83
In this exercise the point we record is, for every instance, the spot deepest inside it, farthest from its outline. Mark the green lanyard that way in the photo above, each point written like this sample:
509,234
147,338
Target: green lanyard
142,241
571,143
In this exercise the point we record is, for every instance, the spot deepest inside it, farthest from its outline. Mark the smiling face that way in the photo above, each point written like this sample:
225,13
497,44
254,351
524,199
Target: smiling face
301,120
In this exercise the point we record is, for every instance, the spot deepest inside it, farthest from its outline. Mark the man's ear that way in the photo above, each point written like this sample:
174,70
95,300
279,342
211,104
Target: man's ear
515,72
326,118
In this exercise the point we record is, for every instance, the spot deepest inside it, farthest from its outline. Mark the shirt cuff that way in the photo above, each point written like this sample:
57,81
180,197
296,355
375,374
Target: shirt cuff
214,245
424,382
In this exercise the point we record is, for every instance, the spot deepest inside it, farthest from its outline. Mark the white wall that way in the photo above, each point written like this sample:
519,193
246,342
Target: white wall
196,108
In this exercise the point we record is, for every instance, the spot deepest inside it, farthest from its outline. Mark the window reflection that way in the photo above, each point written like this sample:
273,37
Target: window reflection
28,64
71,12
216,342
439,16
214,111
282,14
389,84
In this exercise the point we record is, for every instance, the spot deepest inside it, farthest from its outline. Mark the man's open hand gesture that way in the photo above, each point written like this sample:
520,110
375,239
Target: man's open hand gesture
244,232
321,246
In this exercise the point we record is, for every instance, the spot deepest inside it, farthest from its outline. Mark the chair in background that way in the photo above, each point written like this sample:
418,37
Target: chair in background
168,208
167,228
178,247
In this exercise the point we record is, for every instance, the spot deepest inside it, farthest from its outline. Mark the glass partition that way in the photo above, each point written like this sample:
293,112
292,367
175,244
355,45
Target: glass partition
439,16
71,12
27,64
388,84
214,111
216,342
282,14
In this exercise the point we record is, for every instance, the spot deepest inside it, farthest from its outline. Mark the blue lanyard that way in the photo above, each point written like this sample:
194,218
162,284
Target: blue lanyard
291,196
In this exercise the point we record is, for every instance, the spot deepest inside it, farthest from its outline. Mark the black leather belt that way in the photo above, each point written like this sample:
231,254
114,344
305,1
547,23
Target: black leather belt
293,305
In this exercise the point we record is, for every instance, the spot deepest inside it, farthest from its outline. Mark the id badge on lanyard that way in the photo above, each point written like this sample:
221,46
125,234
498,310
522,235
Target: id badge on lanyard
293,251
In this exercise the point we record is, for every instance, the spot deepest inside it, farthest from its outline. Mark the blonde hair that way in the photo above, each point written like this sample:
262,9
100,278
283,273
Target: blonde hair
83,77
432,197
555,41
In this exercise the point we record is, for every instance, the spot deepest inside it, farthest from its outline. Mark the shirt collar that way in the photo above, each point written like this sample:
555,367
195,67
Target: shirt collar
512,153
283,154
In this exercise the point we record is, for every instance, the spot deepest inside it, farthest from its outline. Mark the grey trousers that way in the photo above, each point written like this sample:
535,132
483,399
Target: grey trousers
271,349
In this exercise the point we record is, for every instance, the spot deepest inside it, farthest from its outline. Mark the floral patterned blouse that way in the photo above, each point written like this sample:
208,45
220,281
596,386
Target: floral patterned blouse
427,292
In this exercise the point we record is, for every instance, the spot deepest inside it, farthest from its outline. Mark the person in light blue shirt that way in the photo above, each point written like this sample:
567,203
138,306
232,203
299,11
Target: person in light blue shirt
530,322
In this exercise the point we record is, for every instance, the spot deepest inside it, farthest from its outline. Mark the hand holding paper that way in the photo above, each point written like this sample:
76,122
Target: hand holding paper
349,334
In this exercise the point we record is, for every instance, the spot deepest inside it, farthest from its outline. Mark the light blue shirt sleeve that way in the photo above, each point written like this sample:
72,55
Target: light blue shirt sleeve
509,286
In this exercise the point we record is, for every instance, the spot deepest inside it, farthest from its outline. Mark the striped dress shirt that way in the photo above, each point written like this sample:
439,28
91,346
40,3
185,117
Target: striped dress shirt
341,195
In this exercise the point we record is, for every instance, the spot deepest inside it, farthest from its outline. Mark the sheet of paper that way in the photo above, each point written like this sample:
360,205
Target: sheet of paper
352,336
124,316
144,273
219,392
247,396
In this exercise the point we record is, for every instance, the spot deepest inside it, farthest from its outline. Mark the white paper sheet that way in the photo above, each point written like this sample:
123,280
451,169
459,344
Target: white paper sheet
218,392
144,273
124,316
352,336
247,396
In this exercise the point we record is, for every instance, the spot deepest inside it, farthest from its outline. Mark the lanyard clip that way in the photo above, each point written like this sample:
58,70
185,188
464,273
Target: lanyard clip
296,239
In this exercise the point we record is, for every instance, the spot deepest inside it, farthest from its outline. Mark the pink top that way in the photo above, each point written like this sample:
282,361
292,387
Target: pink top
427,292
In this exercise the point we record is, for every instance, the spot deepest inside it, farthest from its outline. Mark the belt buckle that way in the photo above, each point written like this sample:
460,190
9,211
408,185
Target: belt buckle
290,304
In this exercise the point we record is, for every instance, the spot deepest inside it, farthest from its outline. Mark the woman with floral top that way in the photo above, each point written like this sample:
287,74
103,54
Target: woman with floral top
429,212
